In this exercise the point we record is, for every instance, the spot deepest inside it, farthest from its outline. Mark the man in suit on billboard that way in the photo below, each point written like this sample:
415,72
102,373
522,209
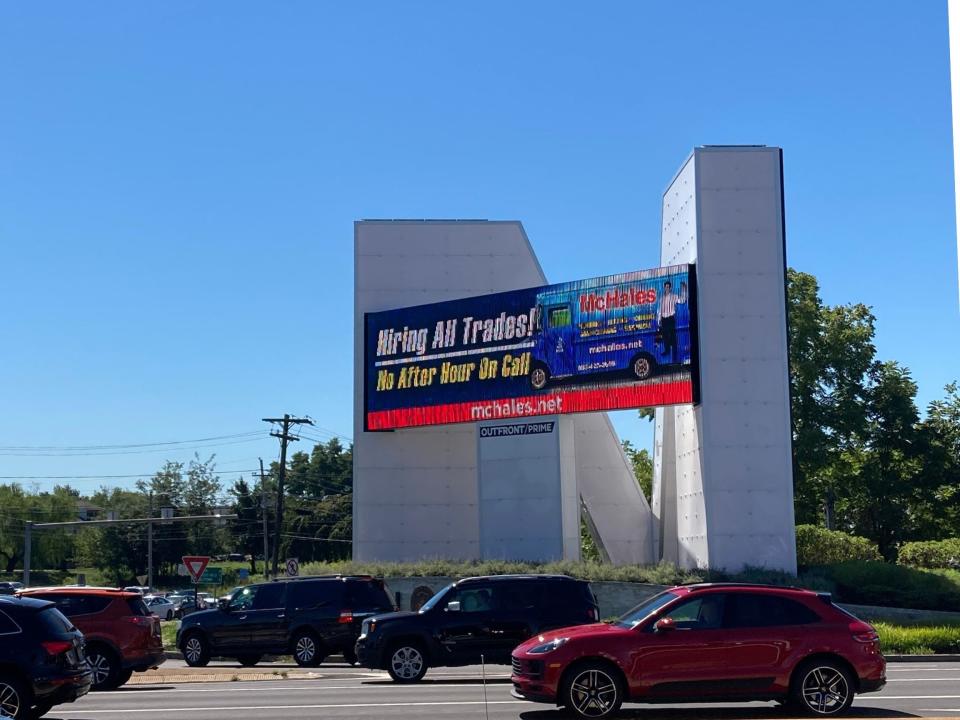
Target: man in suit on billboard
667,317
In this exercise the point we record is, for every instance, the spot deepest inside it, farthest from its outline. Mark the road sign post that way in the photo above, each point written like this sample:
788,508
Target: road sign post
195,565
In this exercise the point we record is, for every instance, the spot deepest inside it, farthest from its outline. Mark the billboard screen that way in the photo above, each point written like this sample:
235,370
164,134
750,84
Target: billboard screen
608,343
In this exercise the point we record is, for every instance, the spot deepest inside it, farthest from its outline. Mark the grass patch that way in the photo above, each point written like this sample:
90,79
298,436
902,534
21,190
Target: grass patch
168,631
879,583
918,640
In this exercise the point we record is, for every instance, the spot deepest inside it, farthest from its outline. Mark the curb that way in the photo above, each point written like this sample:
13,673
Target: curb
921,658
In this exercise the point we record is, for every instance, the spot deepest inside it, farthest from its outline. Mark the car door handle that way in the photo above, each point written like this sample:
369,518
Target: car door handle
241,617
280,615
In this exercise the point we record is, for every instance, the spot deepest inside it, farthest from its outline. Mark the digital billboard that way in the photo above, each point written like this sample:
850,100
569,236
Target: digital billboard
608,343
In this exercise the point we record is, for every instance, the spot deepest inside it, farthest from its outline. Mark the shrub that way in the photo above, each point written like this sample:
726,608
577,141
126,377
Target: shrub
819,546
931,553
879,583
662,574
918,640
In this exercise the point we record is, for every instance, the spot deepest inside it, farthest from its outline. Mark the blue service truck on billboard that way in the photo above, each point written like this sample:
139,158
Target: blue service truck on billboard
608,343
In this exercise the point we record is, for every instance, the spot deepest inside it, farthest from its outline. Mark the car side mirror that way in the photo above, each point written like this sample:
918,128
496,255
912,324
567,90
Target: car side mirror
453,606
664,625
224,604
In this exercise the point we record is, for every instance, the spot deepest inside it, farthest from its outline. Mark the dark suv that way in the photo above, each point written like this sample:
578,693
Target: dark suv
708,643
481,616
310,617
41,659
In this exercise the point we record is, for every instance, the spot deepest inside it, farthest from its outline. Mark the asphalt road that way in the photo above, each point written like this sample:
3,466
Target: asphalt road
914,689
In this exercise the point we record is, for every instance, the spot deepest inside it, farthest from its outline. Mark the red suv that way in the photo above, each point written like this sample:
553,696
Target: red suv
120,635
711,643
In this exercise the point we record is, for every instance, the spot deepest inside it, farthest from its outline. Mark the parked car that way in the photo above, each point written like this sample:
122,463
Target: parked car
186,604
309,617
10,587
160,606
121,636
139,589
41,659
481,616
708,642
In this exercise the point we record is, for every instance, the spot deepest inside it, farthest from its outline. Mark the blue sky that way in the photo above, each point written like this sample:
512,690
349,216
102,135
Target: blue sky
178,184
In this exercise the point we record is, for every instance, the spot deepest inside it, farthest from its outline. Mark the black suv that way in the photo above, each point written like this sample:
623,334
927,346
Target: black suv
41,659
309,617
481,616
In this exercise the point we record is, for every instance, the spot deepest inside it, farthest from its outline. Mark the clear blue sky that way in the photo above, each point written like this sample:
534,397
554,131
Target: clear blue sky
178,183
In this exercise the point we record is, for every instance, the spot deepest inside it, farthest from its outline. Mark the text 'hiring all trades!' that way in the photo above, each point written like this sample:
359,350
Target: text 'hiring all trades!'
449,333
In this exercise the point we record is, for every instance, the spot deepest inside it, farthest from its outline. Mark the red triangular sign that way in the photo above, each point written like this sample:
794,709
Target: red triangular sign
195,565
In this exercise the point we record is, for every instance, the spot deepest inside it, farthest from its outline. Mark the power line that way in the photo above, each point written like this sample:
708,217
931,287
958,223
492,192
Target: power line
136,445
165,449
98,477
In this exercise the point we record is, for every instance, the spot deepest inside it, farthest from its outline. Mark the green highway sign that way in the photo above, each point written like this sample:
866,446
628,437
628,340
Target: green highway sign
212,576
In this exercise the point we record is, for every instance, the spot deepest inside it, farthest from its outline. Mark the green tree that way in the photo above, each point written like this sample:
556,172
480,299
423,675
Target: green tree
831,351
642,465
247,529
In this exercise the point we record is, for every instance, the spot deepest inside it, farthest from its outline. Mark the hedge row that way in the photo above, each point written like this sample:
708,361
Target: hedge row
819,546
931,554
897,639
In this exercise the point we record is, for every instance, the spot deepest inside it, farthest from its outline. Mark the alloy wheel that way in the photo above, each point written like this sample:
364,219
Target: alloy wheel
306,649
407,662
641,367
193,650
100,664
538,378
825,690
593,693
9,700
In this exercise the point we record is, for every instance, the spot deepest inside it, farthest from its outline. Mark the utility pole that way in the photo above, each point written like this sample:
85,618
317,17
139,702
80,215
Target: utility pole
263,511
27,533
150,545
285,422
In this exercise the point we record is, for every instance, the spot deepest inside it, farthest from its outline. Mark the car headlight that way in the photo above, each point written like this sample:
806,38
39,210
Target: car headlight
549,646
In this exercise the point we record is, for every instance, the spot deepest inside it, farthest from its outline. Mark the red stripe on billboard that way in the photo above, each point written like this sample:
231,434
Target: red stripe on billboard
547,403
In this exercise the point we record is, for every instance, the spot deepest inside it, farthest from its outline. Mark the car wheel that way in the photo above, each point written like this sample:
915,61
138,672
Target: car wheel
306,649
642,367
13,698
249,660
169,615
539,377
105,665
407,663
196,650
593,690
123,678
823,688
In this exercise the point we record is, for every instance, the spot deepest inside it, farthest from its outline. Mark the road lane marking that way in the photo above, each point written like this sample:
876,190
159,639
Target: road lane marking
439,703
304,687
883,698
933,679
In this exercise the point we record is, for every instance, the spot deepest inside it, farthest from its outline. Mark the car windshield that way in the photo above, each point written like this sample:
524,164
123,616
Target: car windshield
644,610
429,604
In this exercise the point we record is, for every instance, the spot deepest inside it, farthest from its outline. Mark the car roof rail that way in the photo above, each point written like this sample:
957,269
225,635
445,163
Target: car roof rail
515,576
336,576
769,586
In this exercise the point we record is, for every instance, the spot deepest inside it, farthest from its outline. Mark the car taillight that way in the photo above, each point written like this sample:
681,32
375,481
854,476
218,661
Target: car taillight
863,633
346,616
56,647
592,614
140,619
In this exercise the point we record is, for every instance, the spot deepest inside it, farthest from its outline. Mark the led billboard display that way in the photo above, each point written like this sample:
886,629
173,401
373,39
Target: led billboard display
608,343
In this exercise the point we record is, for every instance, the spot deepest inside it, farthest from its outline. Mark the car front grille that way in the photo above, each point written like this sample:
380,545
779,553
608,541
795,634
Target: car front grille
530,668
